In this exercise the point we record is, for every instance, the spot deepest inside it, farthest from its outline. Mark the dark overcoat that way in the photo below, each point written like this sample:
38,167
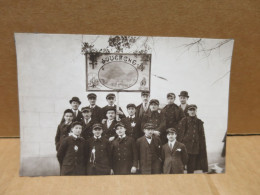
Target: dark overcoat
140,111
185,110
149,155
124,155
96,113
72,155
87,129
133,131
62,132
109,132
78,118
174,159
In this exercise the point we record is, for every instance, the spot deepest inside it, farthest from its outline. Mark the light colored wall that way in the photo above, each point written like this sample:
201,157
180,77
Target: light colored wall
51,70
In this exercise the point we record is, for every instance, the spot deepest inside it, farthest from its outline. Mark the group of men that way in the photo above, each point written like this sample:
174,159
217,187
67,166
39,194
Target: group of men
103,141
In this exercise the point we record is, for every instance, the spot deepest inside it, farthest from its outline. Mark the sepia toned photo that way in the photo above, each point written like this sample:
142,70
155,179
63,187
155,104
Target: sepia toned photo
122,105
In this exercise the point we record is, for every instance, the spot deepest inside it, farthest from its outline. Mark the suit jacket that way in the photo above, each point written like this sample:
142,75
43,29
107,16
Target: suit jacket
133,131
191,134
104,109
109,132
102,160
72,155
185,110
78,118
62,132
96,114
149,155
140,111
87,129
174,159
124,155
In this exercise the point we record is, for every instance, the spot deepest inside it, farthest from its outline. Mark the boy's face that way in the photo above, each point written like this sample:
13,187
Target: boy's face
86,114
111,114
97,132
68,117
111,100
148,132
183,99
120,131
192,112
76,130
154,107
170,99
131,111
92,101
171,136
145,98
75,105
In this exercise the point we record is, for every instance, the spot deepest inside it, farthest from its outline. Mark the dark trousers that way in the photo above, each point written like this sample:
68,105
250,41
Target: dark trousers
93,170
191,163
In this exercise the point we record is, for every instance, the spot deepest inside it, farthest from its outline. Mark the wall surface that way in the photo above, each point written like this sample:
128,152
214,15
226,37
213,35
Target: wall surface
239,20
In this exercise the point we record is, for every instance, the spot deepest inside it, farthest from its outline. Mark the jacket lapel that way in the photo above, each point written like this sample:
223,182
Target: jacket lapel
176,144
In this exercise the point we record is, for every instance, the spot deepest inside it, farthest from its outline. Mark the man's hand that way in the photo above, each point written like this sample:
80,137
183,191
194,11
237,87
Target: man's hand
157,133
133,170
104,121
111,172
111,139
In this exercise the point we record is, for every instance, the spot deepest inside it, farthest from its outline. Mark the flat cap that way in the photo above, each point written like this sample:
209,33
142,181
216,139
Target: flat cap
145,93
154,101
97,126
130,105
170,95
110,95
110,108
86,109
119,124
68,111
148,126
92,95
76,123
171,130
192,106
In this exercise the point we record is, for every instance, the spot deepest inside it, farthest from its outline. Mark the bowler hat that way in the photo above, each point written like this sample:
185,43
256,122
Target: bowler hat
191,106
171,130
110,95
148,126
92,95
130,105
145,93
86,109
184,93
119,124
76,99
155,101
97,126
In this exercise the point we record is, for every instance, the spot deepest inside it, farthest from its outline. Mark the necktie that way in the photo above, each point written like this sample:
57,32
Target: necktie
171,146
75,113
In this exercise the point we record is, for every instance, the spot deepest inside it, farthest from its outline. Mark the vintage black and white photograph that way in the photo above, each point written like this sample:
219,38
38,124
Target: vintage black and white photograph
122,105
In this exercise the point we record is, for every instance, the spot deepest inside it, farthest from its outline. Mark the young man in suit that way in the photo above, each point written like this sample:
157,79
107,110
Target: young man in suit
87,123
172,113
73,152
64,128
109,125
132,123
183,97
77,115
124,153
174,154
143,108
111,99
157,119
191,134
99,161
149,151
95,109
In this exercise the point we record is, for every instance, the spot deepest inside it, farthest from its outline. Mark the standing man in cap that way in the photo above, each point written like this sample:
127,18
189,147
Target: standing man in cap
99,161
95,109
191,134
174,154
183,97
77,115
157,119
124,153
143,108
172,113
87,123
149,151
111,99
109,125
132,123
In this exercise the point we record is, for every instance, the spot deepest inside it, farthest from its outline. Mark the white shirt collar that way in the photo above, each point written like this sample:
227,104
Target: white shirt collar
92,106
122,136
73,135
172,142
97,137
68,123
87,119
132,116
111,105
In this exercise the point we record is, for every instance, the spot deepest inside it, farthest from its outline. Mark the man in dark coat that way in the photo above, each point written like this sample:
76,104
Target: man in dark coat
174,154
64,128
143,108
109,125
191,134
77,115
172,113
73,152
99,161
87,123
95,109
124,153
183,97
149,151
157,119
132,123
111,99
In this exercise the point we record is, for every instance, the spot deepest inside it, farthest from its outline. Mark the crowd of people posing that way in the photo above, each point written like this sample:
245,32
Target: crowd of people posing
103,141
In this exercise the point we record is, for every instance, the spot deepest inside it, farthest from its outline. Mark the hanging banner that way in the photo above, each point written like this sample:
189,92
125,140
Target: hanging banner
118,72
